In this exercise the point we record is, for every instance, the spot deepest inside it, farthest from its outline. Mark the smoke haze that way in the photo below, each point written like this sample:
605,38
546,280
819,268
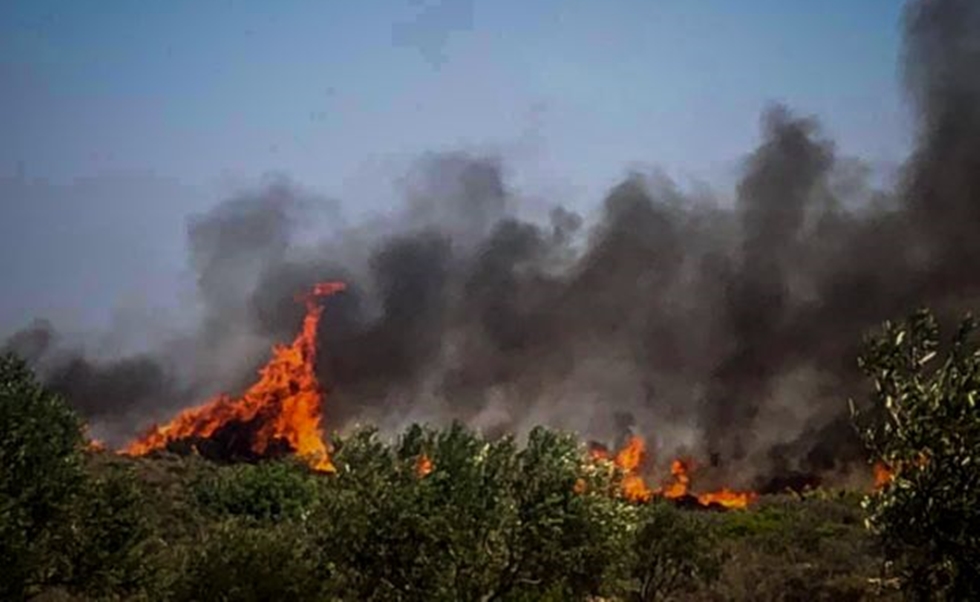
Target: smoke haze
723,330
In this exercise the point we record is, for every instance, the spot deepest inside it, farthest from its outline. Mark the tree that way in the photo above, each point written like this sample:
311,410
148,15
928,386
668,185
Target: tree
673,552
109,552
270,491
40,475
924,426
242,560
450,515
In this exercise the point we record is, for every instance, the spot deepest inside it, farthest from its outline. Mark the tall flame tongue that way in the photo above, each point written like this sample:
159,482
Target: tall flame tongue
630,459
284,405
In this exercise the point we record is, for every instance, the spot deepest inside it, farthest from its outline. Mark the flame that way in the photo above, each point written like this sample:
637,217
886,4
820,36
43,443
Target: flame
883,475
682,481
630,459
423,465
95,445
728,498
285,402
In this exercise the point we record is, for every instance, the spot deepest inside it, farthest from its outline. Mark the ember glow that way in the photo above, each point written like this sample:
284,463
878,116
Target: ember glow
423,465
630,460
883,476
283,409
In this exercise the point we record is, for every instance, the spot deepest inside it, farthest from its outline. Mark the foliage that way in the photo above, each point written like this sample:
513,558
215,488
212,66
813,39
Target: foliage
273,491
787,548
438,514
40,477
926,429
238,560
488,522
674,552
111,536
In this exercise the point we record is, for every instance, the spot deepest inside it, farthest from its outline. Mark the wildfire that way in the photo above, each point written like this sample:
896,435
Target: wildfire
728,498
630,459
883,475
283,407
633,487
682,480
423,465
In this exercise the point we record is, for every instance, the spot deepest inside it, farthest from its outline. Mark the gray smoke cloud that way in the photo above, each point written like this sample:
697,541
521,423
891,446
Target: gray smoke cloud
725,331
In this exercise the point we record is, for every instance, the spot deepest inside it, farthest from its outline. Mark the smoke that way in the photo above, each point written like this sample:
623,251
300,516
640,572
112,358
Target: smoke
727,331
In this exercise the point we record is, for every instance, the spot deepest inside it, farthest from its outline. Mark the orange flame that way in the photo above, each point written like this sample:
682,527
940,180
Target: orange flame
423,465
728,498
629,460
682,481
631,457
286,400
883,475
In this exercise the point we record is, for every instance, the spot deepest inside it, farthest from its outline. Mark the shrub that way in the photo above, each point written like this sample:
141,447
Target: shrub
109,554
925,426
40,476
275,490
488,521
674,552
238,560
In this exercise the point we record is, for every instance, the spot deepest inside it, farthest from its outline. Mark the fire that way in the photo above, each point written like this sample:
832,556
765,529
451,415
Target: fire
883,475
728,498
682,481
630,459
423,465
284,405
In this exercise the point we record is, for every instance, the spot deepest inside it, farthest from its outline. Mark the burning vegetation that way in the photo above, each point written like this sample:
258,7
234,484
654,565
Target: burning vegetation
631,459
279,414
282,414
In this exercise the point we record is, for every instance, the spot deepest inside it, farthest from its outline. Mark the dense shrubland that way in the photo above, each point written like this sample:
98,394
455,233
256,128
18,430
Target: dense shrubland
449,515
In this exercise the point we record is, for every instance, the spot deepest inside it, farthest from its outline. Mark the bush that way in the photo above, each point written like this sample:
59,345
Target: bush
925,426
488,521
237,560
110,548
786,548
275,490
674,552
40,477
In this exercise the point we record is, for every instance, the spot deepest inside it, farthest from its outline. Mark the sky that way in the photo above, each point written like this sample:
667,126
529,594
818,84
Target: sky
120,119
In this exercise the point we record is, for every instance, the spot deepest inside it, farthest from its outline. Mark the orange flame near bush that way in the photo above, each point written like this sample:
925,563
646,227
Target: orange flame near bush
883,475
633,487
287,400
682,481
423,465
630,459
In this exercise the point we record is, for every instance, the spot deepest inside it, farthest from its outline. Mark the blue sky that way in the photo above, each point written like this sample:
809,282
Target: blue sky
117,119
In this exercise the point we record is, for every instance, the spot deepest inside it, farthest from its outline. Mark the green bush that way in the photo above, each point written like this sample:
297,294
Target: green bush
40,478
275,490
674,552
236,560
925,426
111,542
489,522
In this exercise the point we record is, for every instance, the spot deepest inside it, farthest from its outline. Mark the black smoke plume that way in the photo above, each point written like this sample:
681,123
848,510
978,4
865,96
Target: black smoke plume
728,330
